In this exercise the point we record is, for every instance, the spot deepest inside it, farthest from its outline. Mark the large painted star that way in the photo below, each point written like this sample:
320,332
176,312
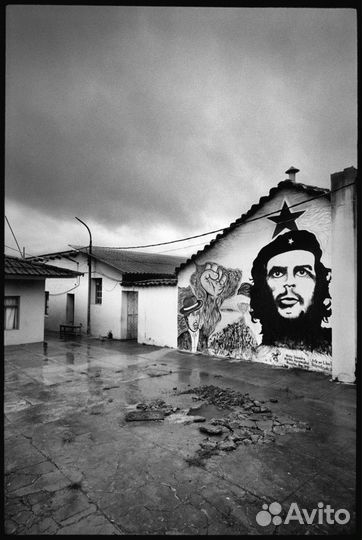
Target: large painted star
286,220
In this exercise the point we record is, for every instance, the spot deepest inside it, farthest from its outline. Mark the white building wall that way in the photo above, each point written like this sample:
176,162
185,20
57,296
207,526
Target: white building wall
106,317
58,289
237,251
31,313
344,284
157,324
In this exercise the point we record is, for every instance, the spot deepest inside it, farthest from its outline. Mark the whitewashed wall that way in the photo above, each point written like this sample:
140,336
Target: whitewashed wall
238,250
157,324
344,284
31,322
58,289
105,317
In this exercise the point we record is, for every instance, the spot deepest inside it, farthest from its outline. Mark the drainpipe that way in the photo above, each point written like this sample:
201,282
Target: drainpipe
89,277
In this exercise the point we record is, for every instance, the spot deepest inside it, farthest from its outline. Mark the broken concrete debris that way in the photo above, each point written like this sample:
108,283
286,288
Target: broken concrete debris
183,417
197,406
133,416
159,409
211,430
157,405
247,422
227,445
265,425
197,418
208,445
226,398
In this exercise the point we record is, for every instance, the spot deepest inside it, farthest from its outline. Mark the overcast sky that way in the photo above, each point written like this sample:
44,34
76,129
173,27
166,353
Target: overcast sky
152,124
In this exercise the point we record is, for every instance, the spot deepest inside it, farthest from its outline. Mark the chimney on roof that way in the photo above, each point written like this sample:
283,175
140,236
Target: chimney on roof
291,172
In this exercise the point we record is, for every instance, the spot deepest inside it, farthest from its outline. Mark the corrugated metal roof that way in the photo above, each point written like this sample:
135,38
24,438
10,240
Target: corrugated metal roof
137,262
15,266
315,191
127,262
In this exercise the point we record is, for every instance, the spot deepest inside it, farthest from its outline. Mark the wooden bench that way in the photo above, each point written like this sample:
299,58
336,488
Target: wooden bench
73,329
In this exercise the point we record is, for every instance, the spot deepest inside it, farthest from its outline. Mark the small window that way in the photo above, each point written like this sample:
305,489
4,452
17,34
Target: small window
11,312
46,308
97,290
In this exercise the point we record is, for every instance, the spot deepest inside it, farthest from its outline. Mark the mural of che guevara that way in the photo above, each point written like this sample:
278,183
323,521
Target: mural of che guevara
290,293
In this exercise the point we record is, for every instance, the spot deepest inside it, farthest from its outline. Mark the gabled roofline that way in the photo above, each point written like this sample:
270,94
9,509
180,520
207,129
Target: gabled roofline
313,190
97,258
84,251
73,251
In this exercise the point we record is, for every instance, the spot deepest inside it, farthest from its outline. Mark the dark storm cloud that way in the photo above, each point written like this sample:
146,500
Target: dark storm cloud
173,115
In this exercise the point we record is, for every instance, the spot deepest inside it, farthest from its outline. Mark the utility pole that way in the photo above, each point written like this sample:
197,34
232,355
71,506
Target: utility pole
89,277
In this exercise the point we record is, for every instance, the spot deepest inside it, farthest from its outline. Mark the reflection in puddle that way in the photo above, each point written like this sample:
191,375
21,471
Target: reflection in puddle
45,351
208,411
69,358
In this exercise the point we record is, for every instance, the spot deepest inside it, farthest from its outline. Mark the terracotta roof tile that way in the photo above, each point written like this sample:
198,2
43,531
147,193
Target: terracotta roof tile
16,267
170,281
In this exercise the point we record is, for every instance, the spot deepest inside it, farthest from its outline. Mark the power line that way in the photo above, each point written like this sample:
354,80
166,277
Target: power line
10,248
164,243
65,292
244,233
185,247
7,221
220,230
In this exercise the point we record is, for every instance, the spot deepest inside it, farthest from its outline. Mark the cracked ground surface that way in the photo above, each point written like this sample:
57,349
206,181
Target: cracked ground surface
74,465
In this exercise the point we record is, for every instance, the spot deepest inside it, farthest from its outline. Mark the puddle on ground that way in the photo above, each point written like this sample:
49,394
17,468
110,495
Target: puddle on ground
207,410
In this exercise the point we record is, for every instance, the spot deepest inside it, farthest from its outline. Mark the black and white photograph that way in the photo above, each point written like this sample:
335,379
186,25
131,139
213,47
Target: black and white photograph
180,270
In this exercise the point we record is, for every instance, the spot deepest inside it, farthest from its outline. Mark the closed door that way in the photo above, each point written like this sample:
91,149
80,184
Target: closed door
70,309
132,315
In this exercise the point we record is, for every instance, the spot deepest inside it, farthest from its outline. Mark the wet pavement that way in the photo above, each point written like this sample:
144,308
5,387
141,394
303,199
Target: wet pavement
75,465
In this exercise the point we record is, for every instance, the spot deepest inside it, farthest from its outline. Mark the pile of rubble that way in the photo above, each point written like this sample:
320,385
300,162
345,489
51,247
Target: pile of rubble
247,422
156,405
226,398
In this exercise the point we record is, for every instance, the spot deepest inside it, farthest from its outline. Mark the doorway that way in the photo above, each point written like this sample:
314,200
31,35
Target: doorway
69,310
132,314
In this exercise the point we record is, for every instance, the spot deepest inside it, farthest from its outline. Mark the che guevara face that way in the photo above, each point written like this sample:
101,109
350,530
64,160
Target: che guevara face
291,278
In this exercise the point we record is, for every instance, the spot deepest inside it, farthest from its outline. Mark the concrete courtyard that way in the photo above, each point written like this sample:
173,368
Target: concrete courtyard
75,465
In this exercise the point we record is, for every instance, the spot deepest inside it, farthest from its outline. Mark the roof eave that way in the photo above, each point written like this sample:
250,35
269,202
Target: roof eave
45,276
